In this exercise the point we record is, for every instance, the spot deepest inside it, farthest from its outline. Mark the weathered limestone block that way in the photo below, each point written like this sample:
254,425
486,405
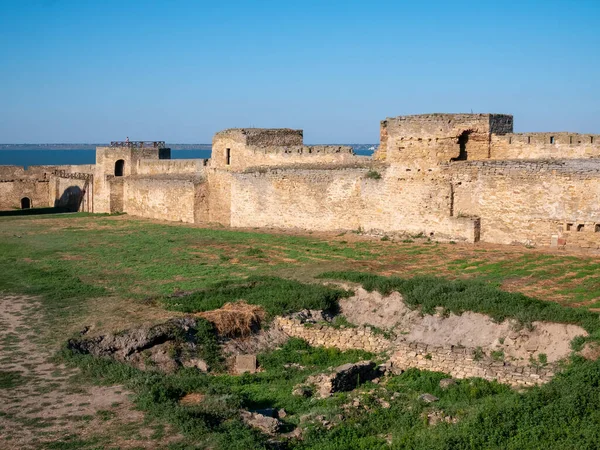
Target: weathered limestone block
344,378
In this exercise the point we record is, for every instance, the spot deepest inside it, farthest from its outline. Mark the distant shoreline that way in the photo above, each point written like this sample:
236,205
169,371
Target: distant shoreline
92,146
13,147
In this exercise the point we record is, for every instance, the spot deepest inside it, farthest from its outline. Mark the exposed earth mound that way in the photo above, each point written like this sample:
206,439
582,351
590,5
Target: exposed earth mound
469,329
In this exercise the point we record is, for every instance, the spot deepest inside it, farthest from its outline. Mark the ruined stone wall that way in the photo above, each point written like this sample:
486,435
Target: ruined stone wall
238,149
170,166
106,159
11,193
545,146
164,198
427,140
39,184
531,202
459,362
70,193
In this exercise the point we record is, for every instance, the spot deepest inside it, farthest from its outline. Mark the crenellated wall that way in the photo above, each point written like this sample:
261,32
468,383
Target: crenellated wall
447,176
240,148
430,139
545,146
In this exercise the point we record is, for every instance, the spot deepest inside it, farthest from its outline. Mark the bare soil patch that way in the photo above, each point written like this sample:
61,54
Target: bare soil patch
469,329
47,404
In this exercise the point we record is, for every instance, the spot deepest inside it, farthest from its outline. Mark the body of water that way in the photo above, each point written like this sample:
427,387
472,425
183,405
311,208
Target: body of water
24,157
31,157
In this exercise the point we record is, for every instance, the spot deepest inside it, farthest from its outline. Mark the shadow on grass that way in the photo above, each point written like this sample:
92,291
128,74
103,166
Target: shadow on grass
35,211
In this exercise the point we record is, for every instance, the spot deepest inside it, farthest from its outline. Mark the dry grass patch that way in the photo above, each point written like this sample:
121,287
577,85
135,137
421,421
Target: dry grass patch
194,398
235,319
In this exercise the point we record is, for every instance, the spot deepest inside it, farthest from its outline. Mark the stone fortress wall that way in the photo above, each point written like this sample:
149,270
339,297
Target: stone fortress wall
461,177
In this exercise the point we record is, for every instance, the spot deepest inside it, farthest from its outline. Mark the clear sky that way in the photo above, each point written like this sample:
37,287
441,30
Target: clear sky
176,70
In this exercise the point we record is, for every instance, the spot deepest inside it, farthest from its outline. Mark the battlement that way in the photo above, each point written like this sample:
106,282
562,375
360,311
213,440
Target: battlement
431,139
240,148
447,125
138,144
548,145
563,137
262,137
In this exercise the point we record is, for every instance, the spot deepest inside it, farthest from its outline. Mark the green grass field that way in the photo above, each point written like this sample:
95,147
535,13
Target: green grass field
111,272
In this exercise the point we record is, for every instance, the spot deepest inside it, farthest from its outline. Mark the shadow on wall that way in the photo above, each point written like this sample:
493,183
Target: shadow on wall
71,199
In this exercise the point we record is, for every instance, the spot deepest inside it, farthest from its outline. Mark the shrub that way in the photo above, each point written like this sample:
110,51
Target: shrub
373,175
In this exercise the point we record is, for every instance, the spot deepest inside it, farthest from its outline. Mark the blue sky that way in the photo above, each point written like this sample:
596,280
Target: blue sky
95,71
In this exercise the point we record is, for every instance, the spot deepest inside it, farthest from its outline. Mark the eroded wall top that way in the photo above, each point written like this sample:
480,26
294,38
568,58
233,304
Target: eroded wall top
240,148
431,139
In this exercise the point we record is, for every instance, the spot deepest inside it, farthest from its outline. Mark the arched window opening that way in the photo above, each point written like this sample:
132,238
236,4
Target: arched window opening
25,203
119,166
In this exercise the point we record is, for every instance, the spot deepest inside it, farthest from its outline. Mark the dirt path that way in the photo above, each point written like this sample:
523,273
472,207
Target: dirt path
41,402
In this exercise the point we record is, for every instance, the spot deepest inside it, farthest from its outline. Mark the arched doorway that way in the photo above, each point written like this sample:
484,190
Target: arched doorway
119,166
463,155
25,203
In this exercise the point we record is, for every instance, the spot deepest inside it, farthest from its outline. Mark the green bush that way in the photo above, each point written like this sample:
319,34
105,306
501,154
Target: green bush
373,175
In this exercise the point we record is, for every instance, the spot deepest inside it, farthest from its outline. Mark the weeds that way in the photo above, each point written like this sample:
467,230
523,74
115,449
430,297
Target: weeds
373,175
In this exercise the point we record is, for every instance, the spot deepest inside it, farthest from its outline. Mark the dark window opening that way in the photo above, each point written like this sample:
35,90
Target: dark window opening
463,154
510,140
25,203
228,156
591,139
597,228
119,166
580,227
569,226
570,139
552,139
529,139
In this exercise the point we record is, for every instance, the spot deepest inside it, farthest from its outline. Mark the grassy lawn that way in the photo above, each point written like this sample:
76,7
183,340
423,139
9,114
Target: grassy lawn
111,272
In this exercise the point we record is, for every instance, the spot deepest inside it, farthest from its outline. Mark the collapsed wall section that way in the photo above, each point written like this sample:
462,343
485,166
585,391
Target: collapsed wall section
457,361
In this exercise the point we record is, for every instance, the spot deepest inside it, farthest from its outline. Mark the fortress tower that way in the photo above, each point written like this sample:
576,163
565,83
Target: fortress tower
121,159
430,139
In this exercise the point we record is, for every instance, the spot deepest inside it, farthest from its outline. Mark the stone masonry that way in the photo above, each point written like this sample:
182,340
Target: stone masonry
459,362
459,177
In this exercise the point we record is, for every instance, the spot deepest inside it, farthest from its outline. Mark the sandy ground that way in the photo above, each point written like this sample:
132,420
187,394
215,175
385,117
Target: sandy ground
45,404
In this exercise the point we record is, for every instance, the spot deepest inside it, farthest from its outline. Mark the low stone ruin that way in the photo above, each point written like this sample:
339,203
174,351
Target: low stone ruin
165,346
343,378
